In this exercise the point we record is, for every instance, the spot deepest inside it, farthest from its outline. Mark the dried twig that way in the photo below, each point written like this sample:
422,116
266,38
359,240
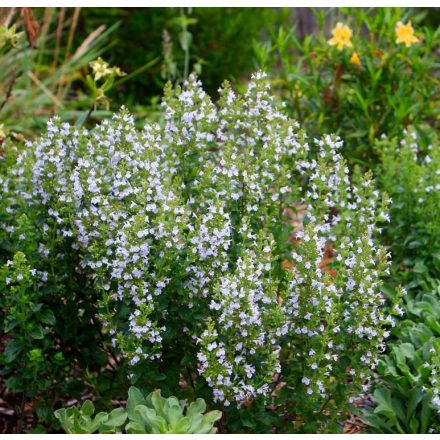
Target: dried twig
45,90
59,34
31,26
86,43
9,91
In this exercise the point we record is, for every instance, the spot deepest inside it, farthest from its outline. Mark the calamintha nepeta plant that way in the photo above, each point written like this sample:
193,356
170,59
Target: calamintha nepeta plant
183,231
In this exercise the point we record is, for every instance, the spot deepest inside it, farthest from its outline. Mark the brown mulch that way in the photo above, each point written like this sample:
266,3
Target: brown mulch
353,424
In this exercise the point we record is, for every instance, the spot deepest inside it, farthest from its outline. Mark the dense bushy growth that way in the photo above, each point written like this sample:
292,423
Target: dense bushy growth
408,397
410,173
183,235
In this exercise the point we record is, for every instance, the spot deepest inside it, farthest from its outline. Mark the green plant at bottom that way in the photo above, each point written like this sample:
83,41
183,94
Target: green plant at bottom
152,414
403,404
404,398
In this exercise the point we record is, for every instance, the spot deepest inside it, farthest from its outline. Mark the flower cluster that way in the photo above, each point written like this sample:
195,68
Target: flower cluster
239,346
183,231
341,37
410,175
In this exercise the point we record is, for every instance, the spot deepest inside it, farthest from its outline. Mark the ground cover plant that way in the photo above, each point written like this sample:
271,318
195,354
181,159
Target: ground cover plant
152,414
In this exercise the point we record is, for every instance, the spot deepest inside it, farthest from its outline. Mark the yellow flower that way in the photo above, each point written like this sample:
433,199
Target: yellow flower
405,34
9,34
355,59
341,36
100,68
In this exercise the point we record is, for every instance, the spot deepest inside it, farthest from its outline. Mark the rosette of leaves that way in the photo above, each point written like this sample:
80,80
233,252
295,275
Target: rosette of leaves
155,414
81,420
151,414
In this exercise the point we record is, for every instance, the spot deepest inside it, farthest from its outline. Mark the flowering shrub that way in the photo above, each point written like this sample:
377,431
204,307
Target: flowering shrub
27,325
50,338
184,234
409,172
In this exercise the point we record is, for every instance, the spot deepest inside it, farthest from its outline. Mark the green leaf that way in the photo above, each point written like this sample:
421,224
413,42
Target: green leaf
117,417
10,323
101,418
426,418
208,421
384,405
135,398
185,39
154,422
82,118
174,415
61,415
136,428
420,267
158,402
413,426
182,427
12,350
415,397
37,333
195,423
47,317
197,407
90,83
88,408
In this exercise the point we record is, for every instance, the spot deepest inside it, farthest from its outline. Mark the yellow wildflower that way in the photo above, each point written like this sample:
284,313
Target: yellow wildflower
405,34
100,68
9,34
341,36
355,59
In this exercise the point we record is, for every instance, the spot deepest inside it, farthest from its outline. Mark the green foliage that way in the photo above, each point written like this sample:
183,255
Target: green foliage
30,362
407,393
404,396
44,76
81,421
204,40
221,254
52,344
181,239
387,87
403,403
151,414
409,174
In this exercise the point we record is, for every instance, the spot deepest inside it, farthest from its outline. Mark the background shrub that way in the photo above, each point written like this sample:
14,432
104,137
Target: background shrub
367,86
